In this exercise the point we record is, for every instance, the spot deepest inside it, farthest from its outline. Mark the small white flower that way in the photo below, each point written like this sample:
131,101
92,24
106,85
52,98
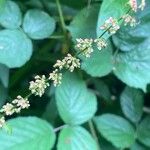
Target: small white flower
85,46
142,5
38,86
59,64
8,109
2,122
69,62
111,25
21,103
56,77
129,20
101,43
133,5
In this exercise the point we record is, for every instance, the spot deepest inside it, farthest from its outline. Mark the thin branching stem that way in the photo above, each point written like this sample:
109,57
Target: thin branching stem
93,132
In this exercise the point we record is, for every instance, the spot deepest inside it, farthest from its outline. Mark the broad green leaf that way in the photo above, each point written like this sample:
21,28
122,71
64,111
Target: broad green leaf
111,8
75,138
132,103
143,132
15,48
132,67
75,103
116,129
10,16
128,38
83,26
4,75
38,24
28,133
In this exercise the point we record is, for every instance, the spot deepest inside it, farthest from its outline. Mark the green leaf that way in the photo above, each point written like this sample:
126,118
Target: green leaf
83,26
116,130
111,8
28,133
101,62
75,103
4,75
75,138
15,47
143,132
3,95
10,17
103,89
132,104
38,24
137,146
127,38
132,67
2,4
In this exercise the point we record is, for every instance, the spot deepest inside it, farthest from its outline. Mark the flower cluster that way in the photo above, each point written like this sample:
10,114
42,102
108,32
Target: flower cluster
134,5
38,86
85,46
56,77
101,43
129,20
21,103
69,62
15,107
111,25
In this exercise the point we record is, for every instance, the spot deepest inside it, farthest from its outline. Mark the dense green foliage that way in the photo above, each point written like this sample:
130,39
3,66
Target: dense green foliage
104,105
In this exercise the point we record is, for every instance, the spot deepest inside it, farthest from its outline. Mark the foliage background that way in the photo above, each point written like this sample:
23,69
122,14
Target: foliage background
112,85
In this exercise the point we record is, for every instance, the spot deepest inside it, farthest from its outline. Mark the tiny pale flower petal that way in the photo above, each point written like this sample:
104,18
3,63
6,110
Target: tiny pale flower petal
38,86
2,122
85,46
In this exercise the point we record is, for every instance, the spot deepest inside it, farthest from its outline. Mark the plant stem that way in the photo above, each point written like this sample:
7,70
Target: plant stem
63,26
59,128
93,132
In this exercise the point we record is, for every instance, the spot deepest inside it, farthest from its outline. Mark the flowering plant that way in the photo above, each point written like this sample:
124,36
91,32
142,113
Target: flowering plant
76,54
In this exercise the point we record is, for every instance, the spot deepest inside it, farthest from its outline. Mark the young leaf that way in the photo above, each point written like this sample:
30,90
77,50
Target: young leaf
132,103
10,16
16,48
38,24
116,130
143,132
28,133
75,103
111,8
83,26
75,138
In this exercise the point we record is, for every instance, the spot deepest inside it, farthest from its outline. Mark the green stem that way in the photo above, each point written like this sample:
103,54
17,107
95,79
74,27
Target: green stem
93,132
59,128
63,26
